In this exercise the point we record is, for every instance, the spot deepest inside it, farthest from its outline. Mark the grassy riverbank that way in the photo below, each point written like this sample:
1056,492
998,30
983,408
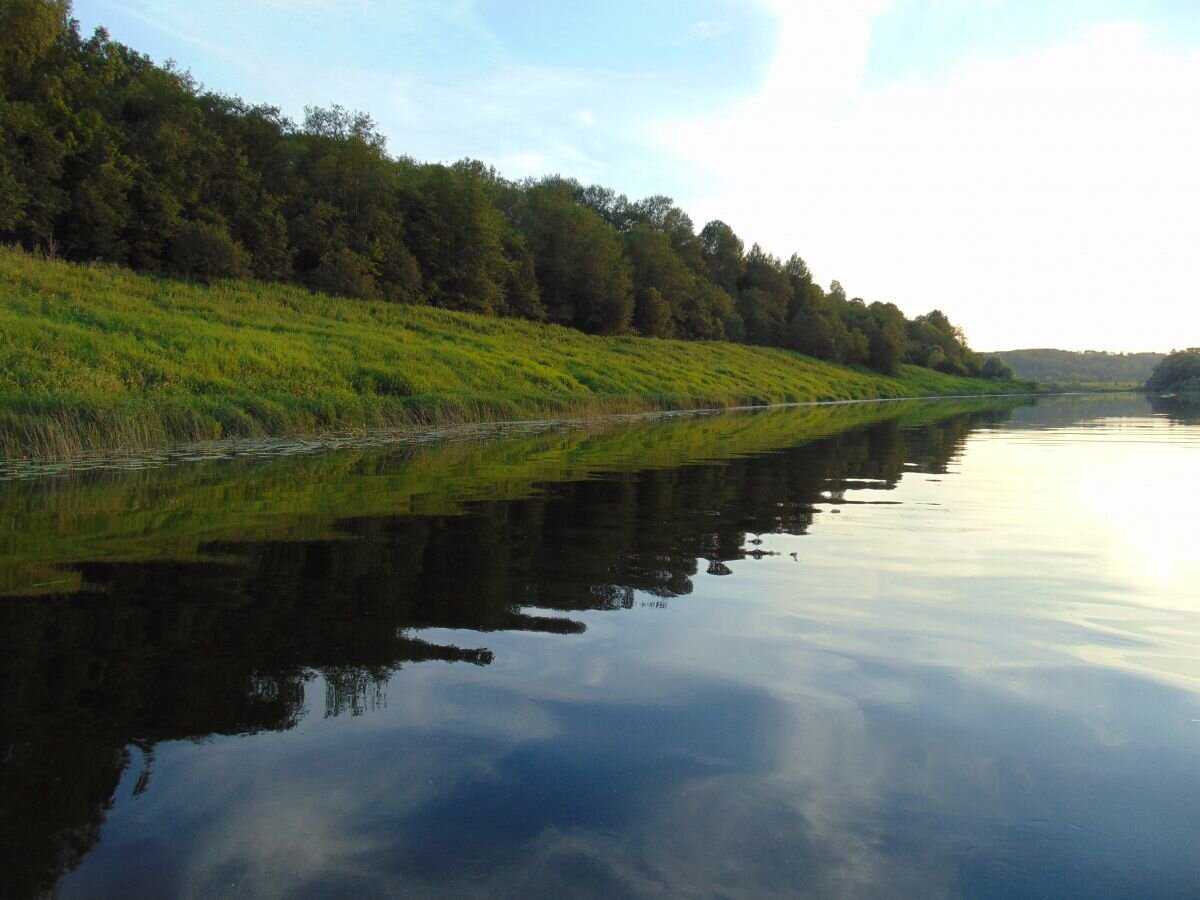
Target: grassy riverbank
99,358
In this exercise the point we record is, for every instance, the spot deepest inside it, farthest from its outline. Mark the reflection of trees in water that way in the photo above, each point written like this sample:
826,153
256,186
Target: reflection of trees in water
1182,408
354,690
1066,411
157,651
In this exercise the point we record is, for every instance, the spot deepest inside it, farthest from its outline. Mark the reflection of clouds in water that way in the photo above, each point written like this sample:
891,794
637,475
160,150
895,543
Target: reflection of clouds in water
299,820
868,797
276,844
469,708
799,829
317,831
730,835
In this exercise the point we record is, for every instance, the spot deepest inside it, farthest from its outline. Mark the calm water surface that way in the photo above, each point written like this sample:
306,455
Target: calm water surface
943,649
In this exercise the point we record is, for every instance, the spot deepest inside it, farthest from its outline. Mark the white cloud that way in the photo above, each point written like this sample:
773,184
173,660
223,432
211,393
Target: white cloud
707,30
1044,199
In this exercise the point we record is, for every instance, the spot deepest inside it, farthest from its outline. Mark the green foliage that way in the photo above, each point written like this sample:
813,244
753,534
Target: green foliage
346,273
456,234
723,255
96,357
764,295
935,341
584,276
886,340
205,250
653,314
994,367
1179,372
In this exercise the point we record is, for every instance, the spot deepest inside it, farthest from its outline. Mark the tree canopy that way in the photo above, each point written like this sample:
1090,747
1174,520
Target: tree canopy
1178,373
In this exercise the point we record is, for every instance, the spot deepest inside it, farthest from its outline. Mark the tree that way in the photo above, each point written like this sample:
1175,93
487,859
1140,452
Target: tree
206,250
995,368
583,276
722,253
764,296
35,139
652,314
522,296
615,209
657,267
455,233
342,271
30,28
1179,372
935,330
347,197
812,333
886,340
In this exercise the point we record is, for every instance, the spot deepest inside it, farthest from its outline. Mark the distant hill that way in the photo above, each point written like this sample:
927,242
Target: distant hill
1080,367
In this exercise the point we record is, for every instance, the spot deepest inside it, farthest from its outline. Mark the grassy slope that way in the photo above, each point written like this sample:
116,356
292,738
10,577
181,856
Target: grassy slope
100,358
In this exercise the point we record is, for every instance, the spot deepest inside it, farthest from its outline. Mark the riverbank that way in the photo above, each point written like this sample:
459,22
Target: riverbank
96,358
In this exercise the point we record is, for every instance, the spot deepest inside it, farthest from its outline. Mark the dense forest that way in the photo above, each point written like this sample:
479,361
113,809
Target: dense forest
1178,373
1080,367
105,155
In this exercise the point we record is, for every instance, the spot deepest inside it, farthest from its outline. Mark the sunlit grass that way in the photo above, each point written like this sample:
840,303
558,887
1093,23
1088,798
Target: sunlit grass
97,357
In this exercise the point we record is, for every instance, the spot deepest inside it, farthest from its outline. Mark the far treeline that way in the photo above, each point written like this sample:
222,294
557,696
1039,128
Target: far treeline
1081,367
106,156
1178,373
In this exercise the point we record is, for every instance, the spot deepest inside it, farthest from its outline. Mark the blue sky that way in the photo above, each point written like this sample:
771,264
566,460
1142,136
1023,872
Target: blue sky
530,87
1029,167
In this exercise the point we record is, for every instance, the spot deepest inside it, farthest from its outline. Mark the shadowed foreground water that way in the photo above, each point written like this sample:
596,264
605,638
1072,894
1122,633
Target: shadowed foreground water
933,649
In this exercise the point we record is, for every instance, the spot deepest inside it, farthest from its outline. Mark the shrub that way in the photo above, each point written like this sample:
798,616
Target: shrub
204,251
345,272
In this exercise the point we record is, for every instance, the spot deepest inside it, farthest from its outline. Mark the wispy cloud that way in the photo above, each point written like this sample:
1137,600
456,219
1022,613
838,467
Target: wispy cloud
707,29
1030,196
144,12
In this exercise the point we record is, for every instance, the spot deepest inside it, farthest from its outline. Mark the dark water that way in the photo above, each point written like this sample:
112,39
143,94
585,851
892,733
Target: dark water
945,649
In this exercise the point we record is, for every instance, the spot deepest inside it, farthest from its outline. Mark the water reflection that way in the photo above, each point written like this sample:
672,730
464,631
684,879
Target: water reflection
744,741
1182,408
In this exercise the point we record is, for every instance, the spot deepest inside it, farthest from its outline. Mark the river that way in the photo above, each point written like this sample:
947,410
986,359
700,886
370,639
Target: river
946,648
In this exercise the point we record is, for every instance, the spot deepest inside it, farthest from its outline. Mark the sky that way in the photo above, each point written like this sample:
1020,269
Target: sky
1031,167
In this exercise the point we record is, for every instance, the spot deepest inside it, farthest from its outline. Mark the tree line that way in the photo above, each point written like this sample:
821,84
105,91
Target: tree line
1088,366
1179,372
107,156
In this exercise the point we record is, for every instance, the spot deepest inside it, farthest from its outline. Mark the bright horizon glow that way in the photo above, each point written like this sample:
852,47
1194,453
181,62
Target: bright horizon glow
1030,172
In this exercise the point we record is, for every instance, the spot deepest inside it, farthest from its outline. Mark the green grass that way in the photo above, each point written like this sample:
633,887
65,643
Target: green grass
97,358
